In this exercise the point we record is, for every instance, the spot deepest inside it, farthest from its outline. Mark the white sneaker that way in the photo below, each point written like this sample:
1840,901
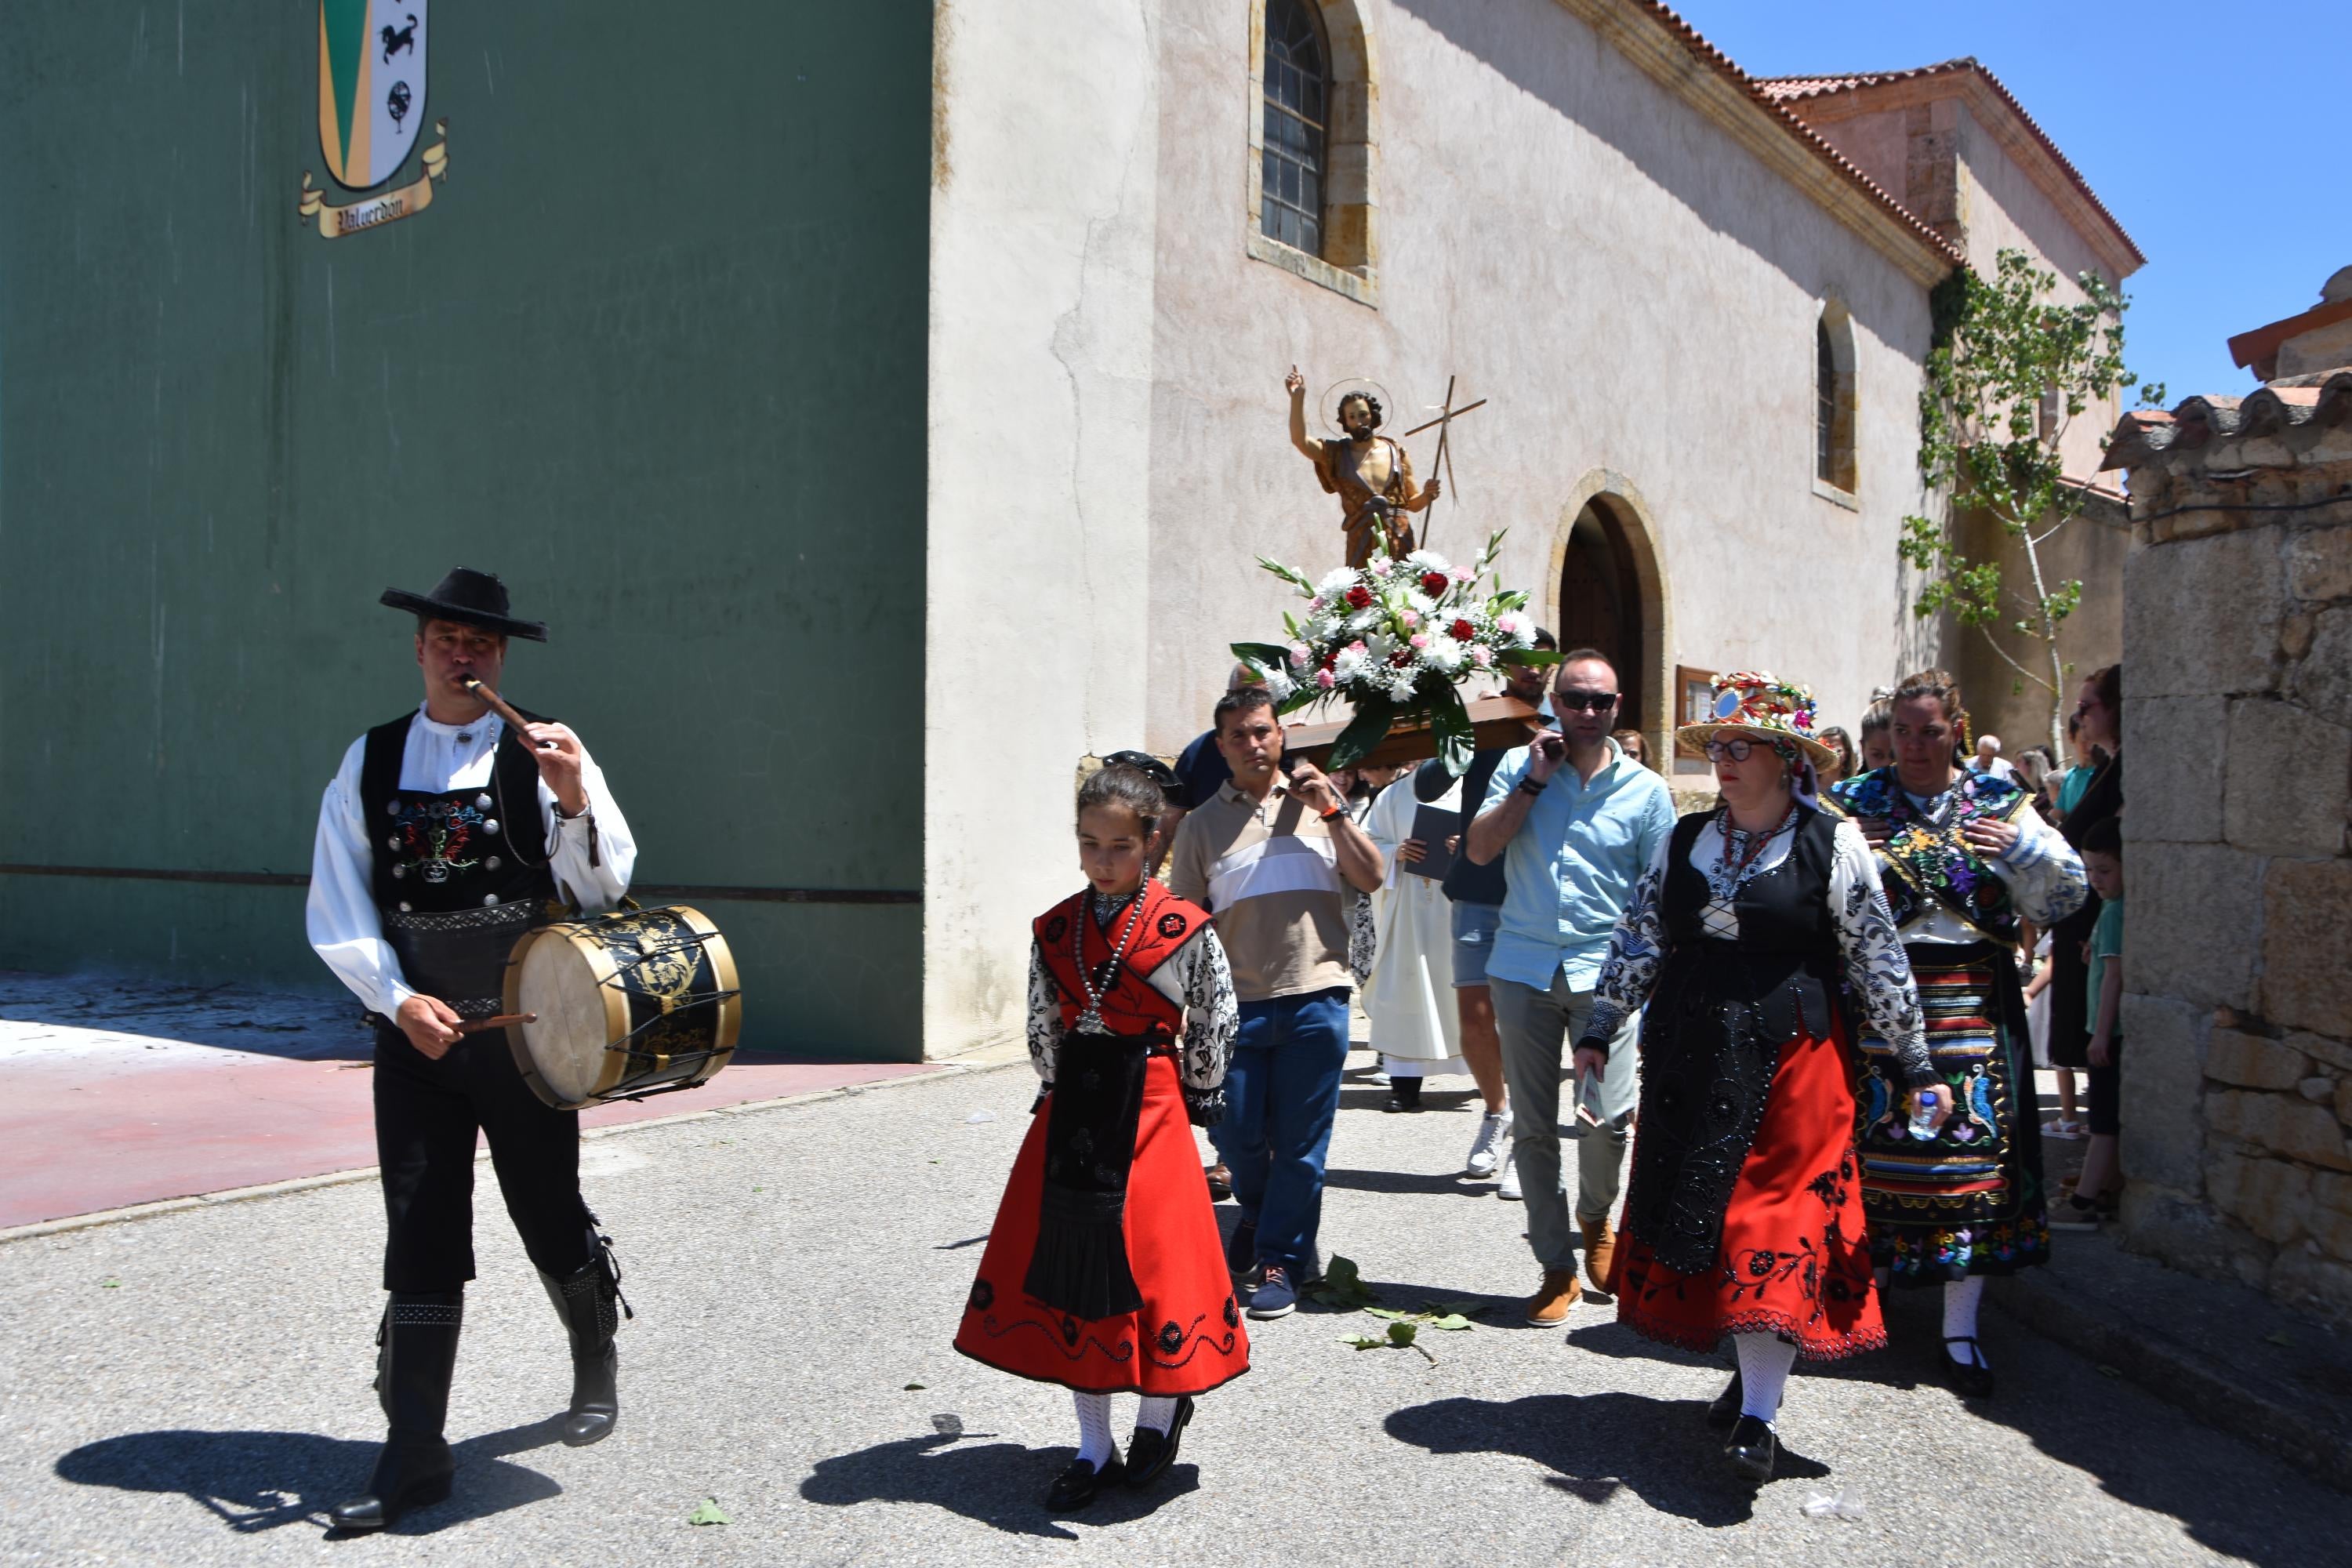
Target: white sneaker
1507,1189
1493,1128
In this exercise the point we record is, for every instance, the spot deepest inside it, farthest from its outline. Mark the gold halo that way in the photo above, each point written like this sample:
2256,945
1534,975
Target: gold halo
1330,412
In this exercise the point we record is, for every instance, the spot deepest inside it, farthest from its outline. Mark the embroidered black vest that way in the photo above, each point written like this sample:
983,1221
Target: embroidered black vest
1927,861
457,876
1712,1036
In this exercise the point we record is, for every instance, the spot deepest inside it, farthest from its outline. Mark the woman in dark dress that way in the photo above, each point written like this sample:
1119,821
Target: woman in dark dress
2100,713
1744,1213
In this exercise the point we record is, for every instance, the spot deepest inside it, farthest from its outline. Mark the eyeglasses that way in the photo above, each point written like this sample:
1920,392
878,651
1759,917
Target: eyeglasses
1584,702
1737,750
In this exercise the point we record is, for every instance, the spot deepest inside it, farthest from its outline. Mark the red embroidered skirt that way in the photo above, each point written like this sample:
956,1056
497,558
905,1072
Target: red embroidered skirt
1187,1337
1794,1259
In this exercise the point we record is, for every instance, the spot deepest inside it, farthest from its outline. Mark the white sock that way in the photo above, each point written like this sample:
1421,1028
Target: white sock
1764,1363
1094,1427
1962,1298
1156,1414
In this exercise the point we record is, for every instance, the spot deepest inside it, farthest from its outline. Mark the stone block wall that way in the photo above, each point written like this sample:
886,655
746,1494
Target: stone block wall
2237,1085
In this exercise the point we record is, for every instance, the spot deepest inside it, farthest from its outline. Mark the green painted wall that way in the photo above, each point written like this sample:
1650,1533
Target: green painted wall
655,354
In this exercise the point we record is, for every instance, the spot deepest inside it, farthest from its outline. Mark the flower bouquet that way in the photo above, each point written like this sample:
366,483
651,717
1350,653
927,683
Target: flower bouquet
1396,639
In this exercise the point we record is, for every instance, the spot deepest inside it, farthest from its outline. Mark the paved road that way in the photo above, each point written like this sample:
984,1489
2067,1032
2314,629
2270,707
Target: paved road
192,1389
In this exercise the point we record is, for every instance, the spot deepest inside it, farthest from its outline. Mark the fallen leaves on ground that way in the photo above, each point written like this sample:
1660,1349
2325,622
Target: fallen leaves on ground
707,1512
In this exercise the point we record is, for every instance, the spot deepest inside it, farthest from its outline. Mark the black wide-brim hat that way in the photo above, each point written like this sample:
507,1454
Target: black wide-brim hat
474,598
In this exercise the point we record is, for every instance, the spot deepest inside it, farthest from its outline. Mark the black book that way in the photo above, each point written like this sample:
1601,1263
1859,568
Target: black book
1434,825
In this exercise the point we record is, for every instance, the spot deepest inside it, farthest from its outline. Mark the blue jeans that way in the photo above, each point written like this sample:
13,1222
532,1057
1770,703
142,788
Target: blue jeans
1281,1093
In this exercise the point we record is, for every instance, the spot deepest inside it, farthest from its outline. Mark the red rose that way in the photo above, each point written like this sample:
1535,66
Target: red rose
1434,584
1360,597
1401,658
1332,659
1462,631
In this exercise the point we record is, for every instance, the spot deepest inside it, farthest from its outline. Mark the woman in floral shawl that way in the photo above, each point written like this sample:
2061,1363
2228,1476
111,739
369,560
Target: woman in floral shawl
1752,940
1964,857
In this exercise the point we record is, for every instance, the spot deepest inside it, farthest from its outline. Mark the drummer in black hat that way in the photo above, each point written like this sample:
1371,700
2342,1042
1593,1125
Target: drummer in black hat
444,838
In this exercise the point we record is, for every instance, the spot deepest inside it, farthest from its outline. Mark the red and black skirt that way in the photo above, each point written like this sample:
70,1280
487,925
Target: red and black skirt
1149,1266
1793,1259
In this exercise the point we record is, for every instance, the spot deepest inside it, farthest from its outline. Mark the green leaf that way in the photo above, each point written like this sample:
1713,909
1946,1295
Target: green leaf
1265,656
1342,1286
911,1388
1391,1313
1365,1341
1367,730
109,1283
707,1512
1402,1334
1532,658
1450,724
1452,1322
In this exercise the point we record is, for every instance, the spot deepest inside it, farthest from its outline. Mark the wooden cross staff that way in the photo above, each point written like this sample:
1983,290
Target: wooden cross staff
1443,425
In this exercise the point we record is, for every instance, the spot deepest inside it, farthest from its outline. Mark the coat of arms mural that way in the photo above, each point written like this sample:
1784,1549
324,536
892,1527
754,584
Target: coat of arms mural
372,103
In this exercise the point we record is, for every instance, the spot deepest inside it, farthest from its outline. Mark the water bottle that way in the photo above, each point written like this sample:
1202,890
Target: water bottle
1923,1119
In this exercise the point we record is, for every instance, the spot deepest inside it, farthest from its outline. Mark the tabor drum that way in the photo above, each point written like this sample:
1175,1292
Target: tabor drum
637,1003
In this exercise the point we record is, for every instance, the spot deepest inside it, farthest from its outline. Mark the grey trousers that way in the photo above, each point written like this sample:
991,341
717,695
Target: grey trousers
1538,1028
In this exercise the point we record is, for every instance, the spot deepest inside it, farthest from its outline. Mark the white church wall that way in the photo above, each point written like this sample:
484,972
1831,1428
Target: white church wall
1039,420
1634,289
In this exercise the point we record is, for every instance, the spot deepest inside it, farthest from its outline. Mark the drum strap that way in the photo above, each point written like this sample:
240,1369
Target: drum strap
1079,1265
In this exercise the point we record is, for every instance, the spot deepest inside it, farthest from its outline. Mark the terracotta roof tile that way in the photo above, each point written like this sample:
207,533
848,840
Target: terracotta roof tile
1722,64
1797,89
2151,436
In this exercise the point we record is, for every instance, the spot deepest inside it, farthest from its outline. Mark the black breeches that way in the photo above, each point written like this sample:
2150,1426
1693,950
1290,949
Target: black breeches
427,1114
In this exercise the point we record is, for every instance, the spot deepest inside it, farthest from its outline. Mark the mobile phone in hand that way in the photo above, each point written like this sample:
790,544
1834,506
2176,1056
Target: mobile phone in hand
1553,743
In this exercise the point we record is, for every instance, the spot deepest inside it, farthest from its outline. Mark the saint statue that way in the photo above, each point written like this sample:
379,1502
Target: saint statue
1368,471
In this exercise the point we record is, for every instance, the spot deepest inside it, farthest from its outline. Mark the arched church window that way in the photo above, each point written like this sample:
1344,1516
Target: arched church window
1824,405
1297,89
1835,463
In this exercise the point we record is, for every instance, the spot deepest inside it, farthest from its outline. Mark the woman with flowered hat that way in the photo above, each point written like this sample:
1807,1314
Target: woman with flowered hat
1744,940
1965,858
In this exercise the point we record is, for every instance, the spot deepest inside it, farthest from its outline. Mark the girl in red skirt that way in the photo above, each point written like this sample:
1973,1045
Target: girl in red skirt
1104,1272
1744,1213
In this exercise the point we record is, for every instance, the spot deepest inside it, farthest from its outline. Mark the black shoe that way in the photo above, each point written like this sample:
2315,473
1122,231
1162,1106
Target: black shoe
1404,1094
1149,1453
1220,1182
1971,1379
418,1355
1074,1487
1726,1408
1241,1252
1752,1449
585,1299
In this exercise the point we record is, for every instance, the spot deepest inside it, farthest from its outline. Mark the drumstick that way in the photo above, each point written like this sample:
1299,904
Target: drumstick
474,1025
500,705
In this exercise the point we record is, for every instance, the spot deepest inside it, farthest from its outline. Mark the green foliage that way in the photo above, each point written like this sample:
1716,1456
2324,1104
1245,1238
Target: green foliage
2000,346
707,1512
1342,1286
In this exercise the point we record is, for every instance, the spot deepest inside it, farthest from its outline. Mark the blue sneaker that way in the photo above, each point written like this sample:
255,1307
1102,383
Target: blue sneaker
1275,1296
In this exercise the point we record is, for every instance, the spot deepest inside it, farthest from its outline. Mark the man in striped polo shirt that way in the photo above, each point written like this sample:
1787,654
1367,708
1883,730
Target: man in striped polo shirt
1268,856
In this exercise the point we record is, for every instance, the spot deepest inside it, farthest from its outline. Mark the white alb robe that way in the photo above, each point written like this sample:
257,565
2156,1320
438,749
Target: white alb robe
1410,998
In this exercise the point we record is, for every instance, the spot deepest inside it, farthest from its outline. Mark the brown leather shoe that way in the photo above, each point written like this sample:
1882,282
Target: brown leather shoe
1220,1182
1599,1251
1548,1308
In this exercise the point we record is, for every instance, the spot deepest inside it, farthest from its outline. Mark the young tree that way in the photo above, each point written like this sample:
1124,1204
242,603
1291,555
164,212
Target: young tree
2002,347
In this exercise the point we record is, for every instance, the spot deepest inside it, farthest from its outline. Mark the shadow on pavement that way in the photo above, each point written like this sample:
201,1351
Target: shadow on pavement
1660,1450
254,1481
1000,1485
1452,1184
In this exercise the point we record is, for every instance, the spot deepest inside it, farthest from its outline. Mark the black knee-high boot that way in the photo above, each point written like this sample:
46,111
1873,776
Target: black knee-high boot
417,1358
586,1300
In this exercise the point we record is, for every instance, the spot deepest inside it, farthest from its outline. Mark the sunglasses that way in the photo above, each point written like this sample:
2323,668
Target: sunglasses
1584,702
1737,750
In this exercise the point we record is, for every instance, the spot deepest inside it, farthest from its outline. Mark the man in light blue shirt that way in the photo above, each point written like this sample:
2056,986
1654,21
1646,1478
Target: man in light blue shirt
1577,822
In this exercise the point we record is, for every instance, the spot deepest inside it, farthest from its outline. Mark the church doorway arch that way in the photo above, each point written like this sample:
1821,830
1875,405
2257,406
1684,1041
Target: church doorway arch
1609,593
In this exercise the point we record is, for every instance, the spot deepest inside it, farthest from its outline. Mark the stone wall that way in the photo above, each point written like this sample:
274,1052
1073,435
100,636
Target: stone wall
2237,1088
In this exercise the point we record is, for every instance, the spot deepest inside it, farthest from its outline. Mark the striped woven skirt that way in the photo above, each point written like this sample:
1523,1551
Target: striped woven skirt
1969,1200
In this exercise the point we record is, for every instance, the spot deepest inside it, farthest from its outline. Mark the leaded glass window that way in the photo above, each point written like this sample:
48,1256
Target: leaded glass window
1825,400
1297,89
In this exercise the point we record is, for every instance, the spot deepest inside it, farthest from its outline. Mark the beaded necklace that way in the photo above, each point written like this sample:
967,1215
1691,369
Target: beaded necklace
1090,1018
1741,850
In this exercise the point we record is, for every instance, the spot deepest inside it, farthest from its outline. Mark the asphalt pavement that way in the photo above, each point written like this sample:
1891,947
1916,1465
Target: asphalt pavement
192,1388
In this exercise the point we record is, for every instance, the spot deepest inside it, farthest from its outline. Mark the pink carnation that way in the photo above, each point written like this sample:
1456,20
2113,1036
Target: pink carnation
1481,658
1410,618
1464,574
1418,640
1358,646
1314,604
1379,568
1300,652
1326,679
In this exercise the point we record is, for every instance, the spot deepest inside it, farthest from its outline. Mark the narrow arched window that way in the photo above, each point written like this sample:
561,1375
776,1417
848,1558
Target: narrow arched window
1825,405
1297,88
1834,465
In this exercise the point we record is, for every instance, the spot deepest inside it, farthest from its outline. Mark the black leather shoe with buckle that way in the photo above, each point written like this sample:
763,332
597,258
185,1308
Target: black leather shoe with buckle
1971,1379
1077,1487
1149,1453
1752,1449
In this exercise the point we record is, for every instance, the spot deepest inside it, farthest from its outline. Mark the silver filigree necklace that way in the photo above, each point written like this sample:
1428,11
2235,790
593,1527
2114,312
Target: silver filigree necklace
1090,1018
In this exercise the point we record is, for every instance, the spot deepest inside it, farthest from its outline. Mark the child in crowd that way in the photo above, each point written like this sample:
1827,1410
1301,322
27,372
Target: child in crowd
2095,1189
1104,1272
2068,1123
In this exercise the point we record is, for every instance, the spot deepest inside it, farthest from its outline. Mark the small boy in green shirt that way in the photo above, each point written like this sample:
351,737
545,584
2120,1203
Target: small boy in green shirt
2094,1198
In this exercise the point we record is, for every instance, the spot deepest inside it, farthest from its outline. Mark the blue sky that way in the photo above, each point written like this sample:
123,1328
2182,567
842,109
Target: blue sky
2204,128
